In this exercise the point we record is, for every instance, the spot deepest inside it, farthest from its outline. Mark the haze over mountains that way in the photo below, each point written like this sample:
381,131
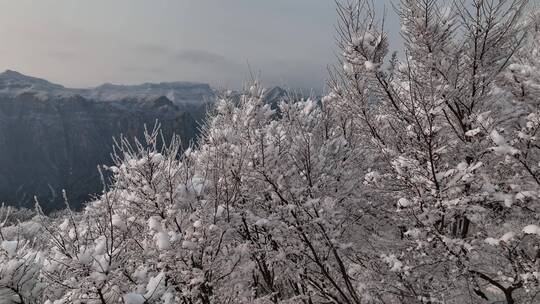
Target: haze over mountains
53,138
13,83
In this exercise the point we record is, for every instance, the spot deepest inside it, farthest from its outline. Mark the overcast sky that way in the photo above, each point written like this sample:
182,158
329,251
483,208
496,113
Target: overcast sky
86,43
82,43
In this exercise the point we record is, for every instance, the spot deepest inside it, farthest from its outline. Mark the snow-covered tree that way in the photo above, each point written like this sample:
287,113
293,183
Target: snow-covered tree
20,261
150,238
444,129
286,185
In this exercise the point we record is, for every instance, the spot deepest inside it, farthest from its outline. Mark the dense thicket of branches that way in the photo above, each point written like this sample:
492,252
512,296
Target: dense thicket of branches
416,179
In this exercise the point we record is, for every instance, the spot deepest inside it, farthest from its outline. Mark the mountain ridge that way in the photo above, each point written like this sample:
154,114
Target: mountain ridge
13,83
53,138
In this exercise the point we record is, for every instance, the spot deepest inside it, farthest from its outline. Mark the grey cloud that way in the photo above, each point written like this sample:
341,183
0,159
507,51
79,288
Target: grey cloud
194,56
188,56
152,49
141,69
62,55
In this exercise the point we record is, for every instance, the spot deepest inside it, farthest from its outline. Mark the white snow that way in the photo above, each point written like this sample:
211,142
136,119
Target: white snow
101,245
531,229
10,247
118,222
153,285
134,298
154,223
371,177
348,68
507,236
261,222
309,105
395,264
404,203
472,132
497,138
162,240
506,149
492,241
168,298
219,210
370,66
188,245
64,225
85,258
502,147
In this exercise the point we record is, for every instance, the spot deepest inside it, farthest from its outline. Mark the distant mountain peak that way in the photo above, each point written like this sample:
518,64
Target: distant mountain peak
277,89
9,72
14,75
13,83
152,86
275,95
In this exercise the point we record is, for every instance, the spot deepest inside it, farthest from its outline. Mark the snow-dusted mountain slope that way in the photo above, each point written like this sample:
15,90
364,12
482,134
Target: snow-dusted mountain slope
53,137
13,84
177,92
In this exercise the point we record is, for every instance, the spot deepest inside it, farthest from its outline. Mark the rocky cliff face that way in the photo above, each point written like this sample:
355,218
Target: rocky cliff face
53,138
